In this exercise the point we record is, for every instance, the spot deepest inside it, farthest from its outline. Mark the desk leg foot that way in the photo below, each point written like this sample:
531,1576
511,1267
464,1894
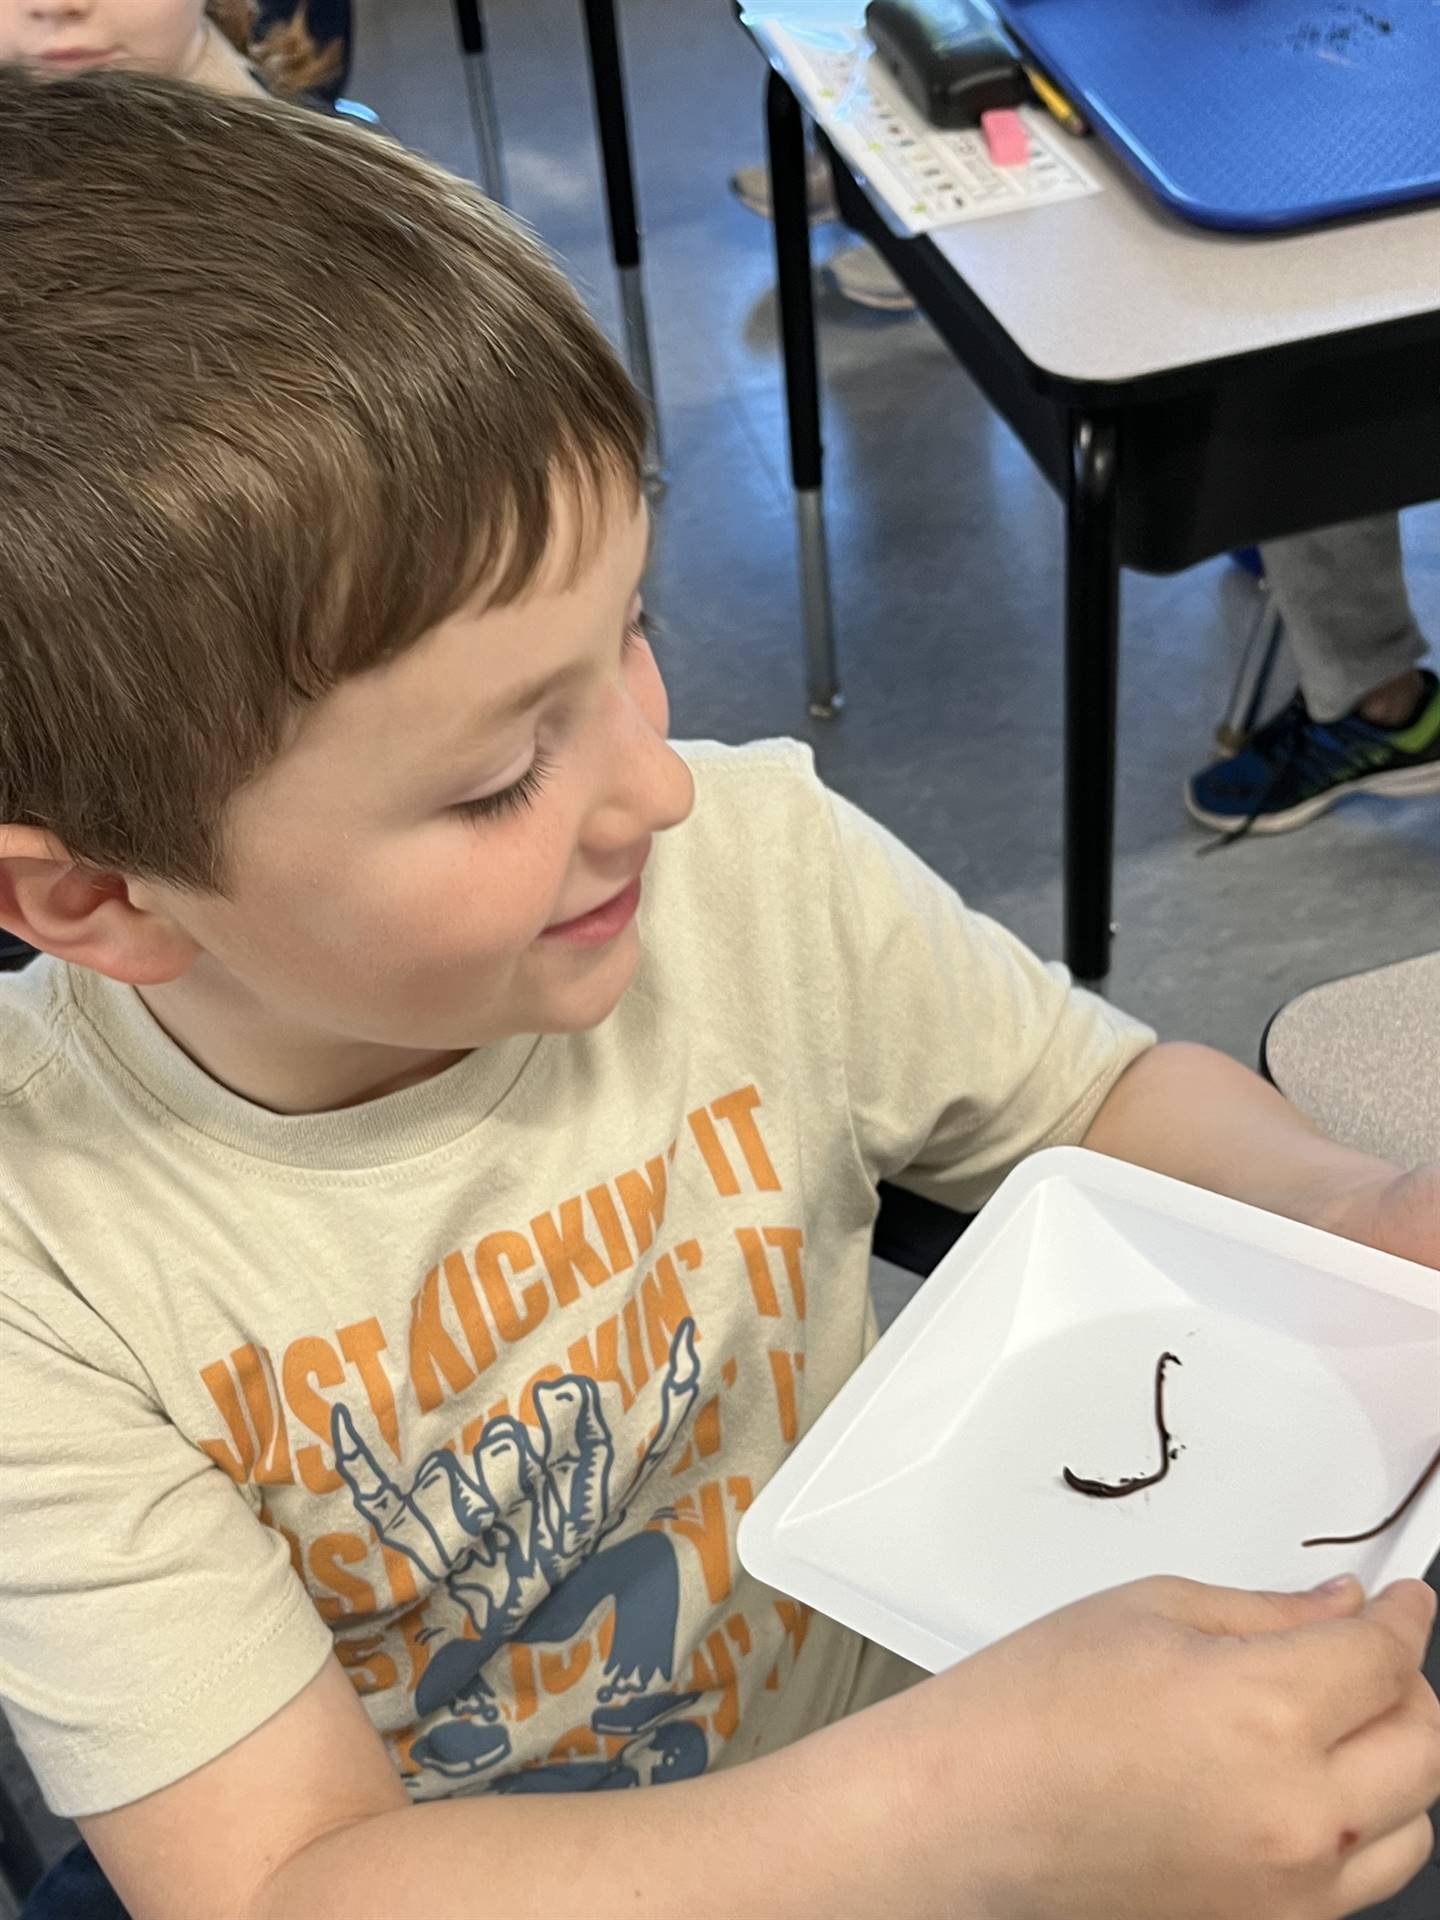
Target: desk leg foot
1092,662
640,360
822,692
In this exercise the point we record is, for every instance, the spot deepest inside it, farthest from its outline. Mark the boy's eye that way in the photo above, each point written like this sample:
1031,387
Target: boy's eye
521,793
512,799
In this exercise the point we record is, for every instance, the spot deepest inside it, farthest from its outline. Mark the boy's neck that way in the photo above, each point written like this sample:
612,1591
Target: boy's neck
281,1066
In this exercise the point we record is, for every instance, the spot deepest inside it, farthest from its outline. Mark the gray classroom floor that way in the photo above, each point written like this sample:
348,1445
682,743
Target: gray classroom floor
946,550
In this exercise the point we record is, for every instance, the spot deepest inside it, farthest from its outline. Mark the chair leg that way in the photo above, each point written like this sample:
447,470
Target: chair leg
1252,682
484,120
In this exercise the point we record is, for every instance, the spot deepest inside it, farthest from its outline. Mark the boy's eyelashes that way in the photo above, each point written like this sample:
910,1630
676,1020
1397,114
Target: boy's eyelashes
521,793
512,799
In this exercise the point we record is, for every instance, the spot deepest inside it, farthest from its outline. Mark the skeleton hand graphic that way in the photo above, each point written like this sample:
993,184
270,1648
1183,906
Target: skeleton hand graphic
531,1514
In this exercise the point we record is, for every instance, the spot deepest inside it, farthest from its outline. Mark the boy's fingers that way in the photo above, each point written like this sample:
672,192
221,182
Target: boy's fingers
1409,1607
1374,1873
1240,1611
1342,1674
1390,1771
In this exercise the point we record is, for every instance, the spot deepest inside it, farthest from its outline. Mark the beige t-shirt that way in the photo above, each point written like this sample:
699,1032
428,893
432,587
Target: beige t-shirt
472,1384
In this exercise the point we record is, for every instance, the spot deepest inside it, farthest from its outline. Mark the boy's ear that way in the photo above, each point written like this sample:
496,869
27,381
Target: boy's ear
85,916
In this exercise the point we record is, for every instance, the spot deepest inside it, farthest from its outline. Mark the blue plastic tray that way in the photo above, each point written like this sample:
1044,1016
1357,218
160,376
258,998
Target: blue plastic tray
1255,114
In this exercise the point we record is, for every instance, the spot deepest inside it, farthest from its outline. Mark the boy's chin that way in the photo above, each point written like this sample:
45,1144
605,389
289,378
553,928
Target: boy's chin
589,1001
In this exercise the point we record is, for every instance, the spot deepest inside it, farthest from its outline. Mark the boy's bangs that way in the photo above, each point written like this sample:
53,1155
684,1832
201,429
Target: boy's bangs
402,576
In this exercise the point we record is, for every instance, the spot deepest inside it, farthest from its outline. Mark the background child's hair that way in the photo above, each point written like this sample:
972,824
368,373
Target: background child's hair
286,54
275,398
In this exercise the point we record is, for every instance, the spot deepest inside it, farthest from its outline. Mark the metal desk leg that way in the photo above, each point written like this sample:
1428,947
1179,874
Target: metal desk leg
786,134
484,120
1092,663
607,78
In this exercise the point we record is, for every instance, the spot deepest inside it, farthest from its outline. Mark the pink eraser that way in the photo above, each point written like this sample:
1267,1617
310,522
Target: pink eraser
1005,136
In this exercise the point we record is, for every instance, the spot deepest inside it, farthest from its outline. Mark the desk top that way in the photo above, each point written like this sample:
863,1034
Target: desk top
1113,288
1359,1057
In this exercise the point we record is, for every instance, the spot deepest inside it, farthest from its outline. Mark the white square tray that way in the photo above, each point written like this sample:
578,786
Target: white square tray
926,1508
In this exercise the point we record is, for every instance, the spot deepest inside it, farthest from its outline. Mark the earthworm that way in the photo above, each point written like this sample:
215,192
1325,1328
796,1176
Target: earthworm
1117,1490
1354,1539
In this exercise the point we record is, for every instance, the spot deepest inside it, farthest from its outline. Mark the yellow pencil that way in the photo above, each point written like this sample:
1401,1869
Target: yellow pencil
1051,97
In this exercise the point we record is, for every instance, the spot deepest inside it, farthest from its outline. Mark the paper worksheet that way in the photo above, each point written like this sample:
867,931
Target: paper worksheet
924,178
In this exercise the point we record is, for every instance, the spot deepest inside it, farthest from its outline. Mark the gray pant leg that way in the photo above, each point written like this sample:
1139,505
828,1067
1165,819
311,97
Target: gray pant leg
1341,593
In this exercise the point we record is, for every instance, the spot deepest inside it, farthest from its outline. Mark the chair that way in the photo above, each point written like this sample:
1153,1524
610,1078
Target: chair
20,1862
914,1233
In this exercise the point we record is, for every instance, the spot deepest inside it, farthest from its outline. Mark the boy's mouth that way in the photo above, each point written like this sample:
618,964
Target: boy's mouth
601,923
70,58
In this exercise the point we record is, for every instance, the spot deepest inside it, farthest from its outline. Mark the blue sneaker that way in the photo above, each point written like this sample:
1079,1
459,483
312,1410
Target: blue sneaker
1295,768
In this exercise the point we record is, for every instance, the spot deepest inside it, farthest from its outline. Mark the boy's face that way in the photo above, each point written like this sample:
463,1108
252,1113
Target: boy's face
449,849
71,36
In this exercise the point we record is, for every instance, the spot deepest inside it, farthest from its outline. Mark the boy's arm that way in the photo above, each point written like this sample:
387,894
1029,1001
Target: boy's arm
1162,1752
1194,1113
307,1817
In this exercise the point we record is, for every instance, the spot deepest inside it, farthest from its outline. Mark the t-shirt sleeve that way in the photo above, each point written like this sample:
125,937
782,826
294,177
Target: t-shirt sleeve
149,1619
963,1052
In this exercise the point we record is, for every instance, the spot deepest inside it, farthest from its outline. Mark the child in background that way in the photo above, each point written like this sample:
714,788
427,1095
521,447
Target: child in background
413,1254
212,42
1367,716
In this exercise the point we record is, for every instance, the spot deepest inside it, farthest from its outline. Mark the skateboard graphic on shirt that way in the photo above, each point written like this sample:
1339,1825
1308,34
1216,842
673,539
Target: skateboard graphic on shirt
536,1572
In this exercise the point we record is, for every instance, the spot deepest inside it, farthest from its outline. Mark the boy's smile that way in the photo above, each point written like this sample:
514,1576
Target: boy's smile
447,852
601,923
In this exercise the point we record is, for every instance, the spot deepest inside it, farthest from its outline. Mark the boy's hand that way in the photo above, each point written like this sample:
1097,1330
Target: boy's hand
1170,1751
1399,1213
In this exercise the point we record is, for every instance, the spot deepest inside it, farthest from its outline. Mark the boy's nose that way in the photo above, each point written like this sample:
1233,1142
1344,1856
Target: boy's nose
653,790
675,790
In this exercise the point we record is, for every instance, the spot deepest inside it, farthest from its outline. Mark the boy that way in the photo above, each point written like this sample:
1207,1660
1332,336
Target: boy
410,1271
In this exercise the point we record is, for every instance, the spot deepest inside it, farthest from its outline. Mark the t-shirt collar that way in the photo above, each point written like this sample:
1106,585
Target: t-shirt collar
127,1040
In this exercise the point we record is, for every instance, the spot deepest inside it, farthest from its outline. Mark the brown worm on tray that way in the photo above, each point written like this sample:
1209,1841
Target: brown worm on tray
1354,1539
1117,1490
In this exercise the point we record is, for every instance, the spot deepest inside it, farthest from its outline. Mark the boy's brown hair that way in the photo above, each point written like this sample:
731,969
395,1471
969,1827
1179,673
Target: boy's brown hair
275,398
